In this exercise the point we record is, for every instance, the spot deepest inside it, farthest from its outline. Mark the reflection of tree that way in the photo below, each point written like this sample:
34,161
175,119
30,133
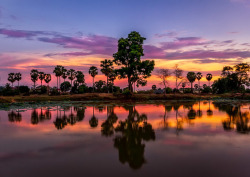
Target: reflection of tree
199,112
34,117
80,113
130,145
179,122
93,122
209,111
108,125
235,117
14,117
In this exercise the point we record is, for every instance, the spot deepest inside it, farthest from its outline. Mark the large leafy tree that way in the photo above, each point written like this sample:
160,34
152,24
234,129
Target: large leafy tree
34,74
107,68
80,77
11,78
128,57
93,71
18,77
191,76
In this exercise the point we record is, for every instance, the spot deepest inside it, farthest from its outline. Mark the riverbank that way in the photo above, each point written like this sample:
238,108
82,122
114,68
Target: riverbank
120,97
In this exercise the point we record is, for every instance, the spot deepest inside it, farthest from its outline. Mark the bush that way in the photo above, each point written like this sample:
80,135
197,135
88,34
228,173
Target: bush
43,89
8,91
127,93
168,90
206,90
187,90
83,89
248,90
176,90
54,92
145,91
65,86
24,89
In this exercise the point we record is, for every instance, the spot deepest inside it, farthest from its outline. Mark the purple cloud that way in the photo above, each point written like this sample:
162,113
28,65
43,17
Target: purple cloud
184,42
169,34
94,44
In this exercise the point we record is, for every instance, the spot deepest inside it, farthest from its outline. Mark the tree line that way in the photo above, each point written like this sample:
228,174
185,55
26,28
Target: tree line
127,64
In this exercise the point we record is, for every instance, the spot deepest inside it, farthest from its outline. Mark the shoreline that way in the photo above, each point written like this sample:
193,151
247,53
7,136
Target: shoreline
120,97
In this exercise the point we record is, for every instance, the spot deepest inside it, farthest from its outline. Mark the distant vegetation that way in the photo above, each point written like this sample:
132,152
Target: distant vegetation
127,64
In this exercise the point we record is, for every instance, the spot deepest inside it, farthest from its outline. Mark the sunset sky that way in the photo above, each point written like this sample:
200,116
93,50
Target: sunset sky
199,35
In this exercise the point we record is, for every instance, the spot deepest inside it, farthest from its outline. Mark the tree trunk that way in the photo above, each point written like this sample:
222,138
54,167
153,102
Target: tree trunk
199,88
130,85
134,86
107,84
93,85
191,87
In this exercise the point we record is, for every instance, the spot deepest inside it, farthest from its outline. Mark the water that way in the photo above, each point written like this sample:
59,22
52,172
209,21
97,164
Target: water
97,139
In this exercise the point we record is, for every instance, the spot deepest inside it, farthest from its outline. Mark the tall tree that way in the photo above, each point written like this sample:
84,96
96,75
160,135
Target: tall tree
47,78
71,75
163,74
64,74
112,77
178,75
18,77
58,72
93,71
41,77
209,78
128,57
191,76
198,77
11,78
106,69
34,74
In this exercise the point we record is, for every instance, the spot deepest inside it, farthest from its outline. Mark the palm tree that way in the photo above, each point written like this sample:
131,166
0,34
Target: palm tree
58,72
153,87
11,78
71,75
199,76
34,76
209,78
93,71
191,76
107,68
18,77
47,78
64,74
41,77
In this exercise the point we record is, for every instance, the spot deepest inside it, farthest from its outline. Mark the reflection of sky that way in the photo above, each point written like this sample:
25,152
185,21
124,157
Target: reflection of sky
202,147
198,35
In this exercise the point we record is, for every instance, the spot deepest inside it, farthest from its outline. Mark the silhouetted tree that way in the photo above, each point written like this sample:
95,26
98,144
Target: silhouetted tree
71,75
11,78
198,77
209,78
164,74
41,77
93,71
58,72
34,74
80,77
191,76
18,77
178,75
106,69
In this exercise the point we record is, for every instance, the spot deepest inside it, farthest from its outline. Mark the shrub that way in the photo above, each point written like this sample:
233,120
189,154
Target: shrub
54,92
145,91
43,89
176,90
8,91
127,93
248,90
65,86
187,90
206,90
83,89
168,90
24,89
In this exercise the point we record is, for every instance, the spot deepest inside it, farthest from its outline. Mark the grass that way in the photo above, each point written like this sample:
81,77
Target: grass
119,97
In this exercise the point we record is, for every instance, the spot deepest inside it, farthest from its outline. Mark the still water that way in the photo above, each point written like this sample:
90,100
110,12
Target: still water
203,139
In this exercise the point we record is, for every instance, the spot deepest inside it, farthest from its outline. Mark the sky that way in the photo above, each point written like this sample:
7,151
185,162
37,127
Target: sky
199,36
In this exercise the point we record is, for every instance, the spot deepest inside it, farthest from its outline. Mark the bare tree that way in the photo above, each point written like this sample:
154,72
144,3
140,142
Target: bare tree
178,75
163,74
